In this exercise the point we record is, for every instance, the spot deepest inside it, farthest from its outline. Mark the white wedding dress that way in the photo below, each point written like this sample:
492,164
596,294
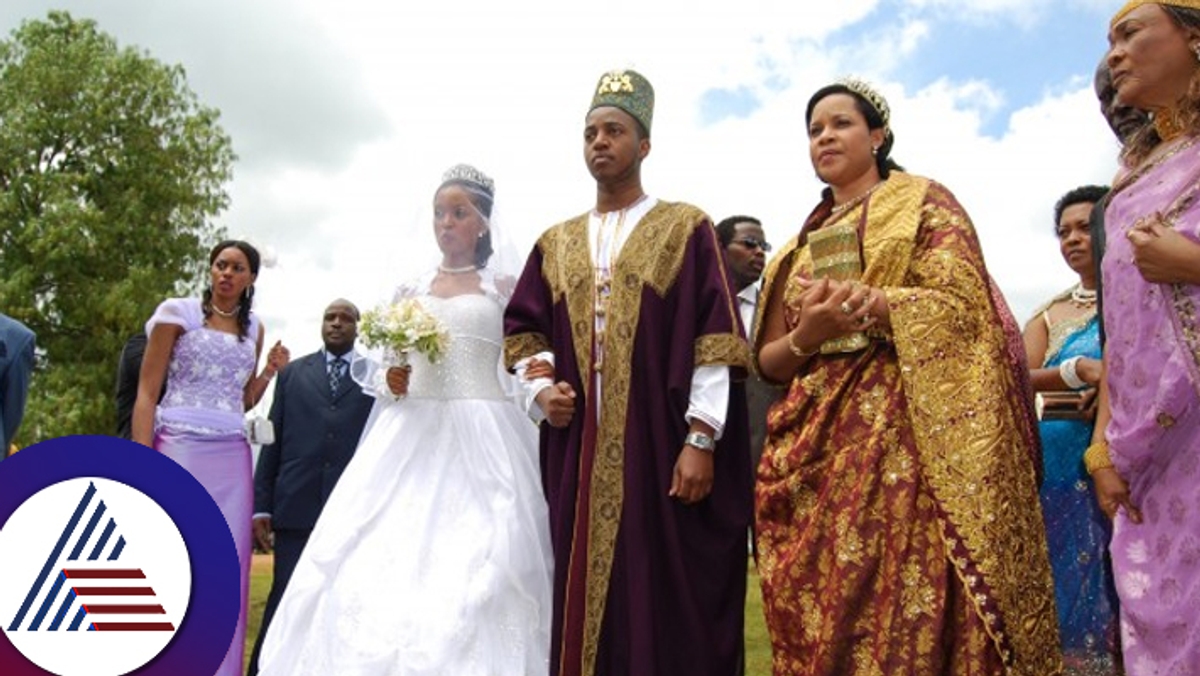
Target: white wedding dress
433,554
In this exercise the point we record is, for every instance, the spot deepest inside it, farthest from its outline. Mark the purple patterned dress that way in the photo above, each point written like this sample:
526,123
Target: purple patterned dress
1153,354
200,425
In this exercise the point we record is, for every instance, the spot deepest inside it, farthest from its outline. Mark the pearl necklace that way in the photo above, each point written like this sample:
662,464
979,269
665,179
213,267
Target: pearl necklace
457,271
1082,297
839,208
228,315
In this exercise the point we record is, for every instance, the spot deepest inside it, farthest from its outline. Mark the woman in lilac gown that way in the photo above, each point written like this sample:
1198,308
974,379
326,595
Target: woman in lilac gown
1145,456
206,350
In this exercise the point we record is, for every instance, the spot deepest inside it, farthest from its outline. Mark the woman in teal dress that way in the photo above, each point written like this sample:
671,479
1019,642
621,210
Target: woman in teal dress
1063,338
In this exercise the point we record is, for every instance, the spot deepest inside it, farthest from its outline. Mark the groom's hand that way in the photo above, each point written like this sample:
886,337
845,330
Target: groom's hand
558,403
692,479
262,533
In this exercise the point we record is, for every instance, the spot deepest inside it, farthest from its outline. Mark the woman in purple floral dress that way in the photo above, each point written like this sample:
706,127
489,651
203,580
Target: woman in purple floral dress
206,350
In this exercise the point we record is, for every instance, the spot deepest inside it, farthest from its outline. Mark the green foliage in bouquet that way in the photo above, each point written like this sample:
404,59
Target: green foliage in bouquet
402,327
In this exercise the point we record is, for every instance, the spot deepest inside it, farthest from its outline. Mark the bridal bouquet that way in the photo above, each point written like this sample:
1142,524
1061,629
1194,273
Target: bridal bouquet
402,327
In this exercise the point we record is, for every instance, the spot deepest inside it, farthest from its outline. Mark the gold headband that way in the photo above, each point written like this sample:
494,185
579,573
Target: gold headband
1134,4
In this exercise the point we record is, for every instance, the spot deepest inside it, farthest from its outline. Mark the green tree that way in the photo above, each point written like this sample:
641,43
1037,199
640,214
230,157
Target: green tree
110,174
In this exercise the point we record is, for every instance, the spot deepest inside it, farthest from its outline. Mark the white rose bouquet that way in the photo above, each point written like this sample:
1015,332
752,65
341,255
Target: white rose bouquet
402,327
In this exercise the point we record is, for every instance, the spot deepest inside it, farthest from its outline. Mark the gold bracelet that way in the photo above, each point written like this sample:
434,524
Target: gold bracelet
796,349
1095,458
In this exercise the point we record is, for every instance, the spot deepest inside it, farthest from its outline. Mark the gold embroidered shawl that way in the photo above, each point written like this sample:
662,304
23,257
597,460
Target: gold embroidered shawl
964,408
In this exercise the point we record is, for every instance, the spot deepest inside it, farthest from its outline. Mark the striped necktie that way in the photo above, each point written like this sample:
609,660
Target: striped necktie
337,370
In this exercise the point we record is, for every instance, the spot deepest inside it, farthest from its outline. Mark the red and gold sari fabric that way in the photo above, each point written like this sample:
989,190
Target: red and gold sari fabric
896,504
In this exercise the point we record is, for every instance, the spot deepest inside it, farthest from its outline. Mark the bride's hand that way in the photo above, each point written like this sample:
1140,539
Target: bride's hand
539,368
397,380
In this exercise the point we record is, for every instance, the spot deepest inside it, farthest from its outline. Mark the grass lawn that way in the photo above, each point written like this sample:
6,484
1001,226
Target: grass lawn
758,644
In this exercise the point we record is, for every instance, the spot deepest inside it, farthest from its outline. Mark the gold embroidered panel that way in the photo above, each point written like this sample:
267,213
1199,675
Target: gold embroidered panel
956,376
523,345
722,349
1061,331
568,270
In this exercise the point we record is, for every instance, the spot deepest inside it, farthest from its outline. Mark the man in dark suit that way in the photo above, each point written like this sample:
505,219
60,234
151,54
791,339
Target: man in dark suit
129,369
318,414
16,366
746,248
746,251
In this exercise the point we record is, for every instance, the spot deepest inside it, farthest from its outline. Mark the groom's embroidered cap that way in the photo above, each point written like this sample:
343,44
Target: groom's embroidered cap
629,91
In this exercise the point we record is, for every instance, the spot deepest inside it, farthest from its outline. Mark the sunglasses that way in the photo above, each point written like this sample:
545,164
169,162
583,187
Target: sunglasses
754,243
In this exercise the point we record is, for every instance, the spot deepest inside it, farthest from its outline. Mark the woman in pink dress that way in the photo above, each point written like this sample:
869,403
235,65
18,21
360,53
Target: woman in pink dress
1145,456
206,350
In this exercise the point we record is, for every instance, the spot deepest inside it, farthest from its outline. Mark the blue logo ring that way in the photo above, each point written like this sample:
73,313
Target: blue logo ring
203,638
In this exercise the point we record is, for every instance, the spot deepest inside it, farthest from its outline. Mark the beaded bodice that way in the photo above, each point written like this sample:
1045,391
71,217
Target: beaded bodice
470,367
208,370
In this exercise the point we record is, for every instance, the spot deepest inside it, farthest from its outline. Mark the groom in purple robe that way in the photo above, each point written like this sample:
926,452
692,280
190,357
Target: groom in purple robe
624,331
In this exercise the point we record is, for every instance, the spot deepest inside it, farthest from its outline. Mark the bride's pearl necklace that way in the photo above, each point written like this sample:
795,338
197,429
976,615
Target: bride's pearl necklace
457,271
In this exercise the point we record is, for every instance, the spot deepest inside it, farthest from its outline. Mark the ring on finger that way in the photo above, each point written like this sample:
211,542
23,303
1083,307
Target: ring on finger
846,307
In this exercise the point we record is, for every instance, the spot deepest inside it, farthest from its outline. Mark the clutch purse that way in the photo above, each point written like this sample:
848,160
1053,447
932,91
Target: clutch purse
260,431
1059,406
835,255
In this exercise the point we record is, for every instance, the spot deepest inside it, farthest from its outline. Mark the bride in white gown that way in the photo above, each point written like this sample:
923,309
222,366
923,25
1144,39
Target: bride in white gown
433,554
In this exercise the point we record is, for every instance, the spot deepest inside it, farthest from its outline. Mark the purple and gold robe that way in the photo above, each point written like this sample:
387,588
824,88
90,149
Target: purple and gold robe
643,584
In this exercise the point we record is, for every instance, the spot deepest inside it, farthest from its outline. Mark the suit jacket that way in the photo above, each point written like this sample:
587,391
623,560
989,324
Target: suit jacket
316,433
129,370
16,366
760,394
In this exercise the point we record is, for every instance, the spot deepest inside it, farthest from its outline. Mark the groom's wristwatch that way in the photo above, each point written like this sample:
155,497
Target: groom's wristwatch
701,441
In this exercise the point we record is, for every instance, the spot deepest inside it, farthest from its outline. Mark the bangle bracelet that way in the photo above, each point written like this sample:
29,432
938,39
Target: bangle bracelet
796,349
1095,458
1069,375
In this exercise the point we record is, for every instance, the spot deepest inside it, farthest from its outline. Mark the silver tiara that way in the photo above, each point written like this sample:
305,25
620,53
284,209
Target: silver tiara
873,97
465,172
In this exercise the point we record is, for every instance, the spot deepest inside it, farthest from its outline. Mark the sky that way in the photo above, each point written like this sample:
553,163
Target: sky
344,115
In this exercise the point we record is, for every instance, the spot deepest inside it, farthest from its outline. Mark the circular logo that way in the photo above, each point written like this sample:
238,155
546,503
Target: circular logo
116,564
116,561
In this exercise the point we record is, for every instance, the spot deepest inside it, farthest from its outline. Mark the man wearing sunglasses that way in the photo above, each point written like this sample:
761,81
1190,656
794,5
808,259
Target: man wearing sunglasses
746,250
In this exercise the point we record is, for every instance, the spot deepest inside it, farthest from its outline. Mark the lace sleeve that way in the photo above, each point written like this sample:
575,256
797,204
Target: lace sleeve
183,312
497,285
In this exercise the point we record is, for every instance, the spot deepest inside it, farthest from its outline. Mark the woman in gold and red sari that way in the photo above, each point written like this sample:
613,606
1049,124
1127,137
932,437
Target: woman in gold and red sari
897,510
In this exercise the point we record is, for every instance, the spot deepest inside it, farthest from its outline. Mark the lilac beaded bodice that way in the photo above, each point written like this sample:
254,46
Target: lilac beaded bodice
207,373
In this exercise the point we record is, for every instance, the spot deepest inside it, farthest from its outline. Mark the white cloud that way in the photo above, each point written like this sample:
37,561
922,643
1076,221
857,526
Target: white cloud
508,89
415,88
